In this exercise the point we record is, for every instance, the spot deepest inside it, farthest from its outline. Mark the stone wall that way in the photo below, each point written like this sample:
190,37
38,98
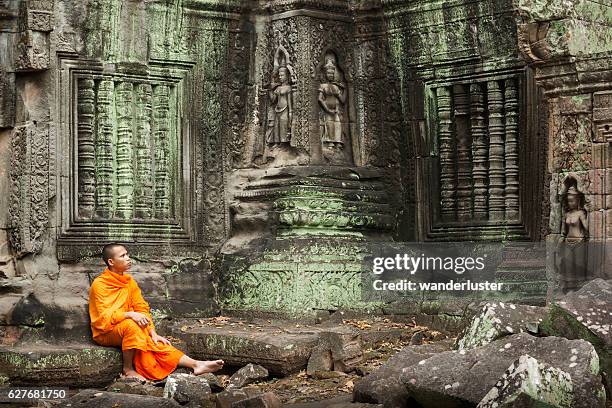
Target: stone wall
193,128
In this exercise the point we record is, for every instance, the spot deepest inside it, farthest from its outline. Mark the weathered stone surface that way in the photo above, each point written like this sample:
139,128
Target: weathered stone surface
280,354
498,319
586,314
213,381
530,384
457,378
384,385
61,365
320,360
266,400
227,398
345,345
135,386
104,399
188,389
248,374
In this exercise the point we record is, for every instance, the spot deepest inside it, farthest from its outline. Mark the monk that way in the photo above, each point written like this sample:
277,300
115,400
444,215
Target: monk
120,317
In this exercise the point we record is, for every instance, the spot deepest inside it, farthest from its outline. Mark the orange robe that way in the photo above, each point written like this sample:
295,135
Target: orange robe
110,296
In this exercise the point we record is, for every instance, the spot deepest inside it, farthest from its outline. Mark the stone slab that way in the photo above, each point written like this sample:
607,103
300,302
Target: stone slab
75,366
279,351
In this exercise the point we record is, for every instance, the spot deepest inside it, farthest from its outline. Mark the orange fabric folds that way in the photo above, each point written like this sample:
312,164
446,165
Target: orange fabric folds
110,296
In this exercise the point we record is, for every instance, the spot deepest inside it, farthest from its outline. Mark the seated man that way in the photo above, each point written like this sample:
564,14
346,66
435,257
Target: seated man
120,317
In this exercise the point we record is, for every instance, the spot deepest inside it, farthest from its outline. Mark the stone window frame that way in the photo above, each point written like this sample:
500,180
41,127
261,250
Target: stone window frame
528,226
78,239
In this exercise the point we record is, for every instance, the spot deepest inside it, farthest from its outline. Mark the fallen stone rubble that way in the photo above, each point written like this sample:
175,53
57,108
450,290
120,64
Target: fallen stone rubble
509,356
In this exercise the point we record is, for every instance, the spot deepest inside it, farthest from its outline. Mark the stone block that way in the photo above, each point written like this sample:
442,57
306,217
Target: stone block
152,285
384,385
248,374
461,378
571,105
104,399
499,319
53,365
530,384
320,361
346,347
188,389
280,354
266,400
227,398
600,155
586,314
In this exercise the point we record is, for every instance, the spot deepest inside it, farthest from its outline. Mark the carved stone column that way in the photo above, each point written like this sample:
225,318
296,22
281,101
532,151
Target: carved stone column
496,152
447,156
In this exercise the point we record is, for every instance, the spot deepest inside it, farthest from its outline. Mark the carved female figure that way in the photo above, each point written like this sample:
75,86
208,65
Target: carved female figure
279,127
332,97
573,264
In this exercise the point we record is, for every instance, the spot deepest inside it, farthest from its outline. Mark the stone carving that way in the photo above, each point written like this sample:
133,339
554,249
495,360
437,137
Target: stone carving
29,175
464,179
479,152
86,147
602,116
573,260
496,152
447,156
280,111
479,158
162,132
33,41
128,124
125,171
143,189
511,150
332,100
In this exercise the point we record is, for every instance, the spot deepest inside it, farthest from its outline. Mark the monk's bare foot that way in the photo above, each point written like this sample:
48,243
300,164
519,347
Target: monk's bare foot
132,374
203,367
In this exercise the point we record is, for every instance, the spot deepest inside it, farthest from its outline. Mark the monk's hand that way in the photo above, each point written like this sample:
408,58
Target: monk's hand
156,337
140,318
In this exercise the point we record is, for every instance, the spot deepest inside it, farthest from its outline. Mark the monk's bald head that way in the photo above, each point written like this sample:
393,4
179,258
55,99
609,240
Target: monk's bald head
109,251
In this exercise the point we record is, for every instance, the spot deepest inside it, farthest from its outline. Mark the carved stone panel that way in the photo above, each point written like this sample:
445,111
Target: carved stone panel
29,175
131,173
479,134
